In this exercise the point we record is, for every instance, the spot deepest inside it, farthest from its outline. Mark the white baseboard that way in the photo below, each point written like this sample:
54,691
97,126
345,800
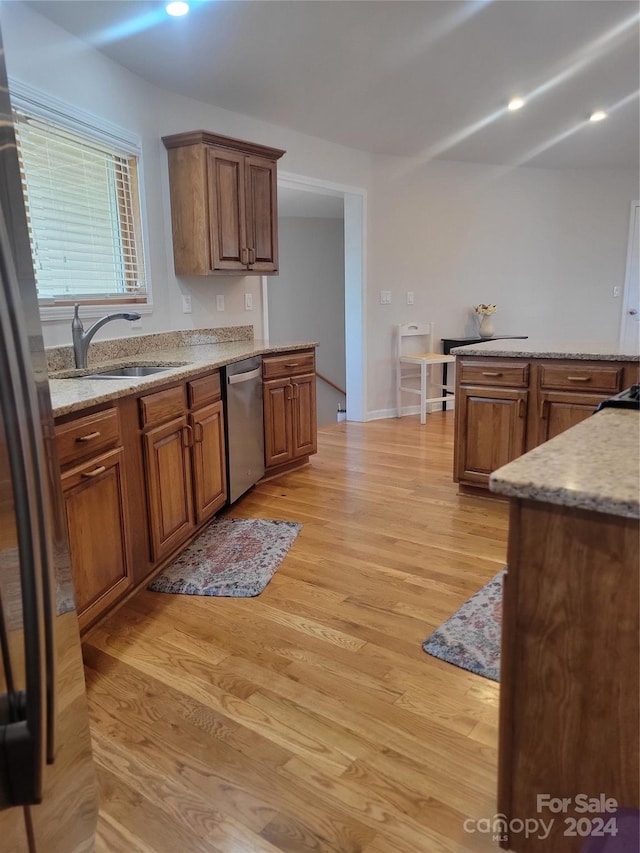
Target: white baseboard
380,414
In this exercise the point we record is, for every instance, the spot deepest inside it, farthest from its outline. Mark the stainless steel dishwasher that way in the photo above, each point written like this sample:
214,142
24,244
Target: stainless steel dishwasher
244,419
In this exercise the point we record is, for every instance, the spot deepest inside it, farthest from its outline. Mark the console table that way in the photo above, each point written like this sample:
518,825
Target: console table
449,343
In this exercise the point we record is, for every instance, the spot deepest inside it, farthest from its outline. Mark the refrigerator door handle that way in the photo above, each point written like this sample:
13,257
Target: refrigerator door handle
23,712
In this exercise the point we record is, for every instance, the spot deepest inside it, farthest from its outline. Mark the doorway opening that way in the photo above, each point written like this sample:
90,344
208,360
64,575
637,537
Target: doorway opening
339,212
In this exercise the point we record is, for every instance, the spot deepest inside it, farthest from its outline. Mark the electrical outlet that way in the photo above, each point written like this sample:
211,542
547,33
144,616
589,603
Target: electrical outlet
385,297
248,302
220,302
186,304
616,291
136,324
409,297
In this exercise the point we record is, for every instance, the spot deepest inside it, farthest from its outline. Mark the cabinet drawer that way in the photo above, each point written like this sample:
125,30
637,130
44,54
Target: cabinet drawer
204,390
588,378
87,436
494,373
162,406
280,366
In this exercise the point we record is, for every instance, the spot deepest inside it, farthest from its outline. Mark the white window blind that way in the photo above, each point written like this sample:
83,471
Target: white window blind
83,211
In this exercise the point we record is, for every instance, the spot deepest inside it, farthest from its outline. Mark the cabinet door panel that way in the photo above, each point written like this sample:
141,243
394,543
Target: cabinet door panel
491,431
304,415
209,470
278,439
169,486
560,411
227,210
97,528
262,213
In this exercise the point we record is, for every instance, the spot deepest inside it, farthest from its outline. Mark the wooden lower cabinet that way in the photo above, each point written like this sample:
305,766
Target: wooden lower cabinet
168,470
94,498
491,429
290,419
209,469
505,407
569,671
559,410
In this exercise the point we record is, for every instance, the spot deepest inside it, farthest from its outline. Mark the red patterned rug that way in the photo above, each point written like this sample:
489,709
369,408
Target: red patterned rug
231,557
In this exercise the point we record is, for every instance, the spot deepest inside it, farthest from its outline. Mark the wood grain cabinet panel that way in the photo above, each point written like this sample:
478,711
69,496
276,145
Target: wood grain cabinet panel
559,411
290,415
232,185
209,469
491,431
94,497
168,468
278,430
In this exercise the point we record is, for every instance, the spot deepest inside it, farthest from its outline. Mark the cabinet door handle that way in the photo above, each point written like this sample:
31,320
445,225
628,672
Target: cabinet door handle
187,436
244,256
252,256
296,392
89,436
96,471
543,409
520,408
289,392
199,432
579,378
491,373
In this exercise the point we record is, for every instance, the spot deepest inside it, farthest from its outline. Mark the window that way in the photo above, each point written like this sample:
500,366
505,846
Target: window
83,210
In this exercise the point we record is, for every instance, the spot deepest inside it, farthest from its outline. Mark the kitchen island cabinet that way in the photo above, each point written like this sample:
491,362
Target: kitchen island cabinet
511,397
570,659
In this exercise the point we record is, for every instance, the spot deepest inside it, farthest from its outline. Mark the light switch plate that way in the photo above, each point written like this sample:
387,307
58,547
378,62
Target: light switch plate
248,302
186,304
220,302
409,297
385,297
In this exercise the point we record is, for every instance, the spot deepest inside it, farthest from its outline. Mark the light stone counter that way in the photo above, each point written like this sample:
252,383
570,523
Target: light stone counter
532,348
73,394
595,466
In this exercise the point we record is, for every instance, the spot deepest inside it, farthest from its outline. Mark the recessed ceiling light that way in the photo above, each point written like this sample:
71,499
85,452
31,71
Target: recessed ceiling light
515,104
598,115
176,8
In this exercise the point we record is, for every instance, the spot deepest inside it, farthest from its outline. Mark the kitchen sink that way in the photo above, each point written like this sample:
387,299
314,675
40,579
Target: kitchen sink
125,372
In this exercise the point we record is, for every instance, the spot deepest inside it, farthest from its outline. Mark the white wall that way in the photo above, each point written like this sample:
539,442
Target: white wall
50,59
306,301
545,246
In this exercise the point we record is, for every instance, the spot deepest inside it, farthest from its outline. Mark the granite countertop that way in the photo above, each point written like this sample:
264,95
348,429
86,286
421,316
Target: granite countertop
532,348
595,465
70,394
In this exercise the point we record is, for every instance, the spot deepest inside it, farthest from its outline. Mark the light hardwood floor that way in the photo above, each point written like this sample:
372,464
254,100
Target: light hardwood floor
309,718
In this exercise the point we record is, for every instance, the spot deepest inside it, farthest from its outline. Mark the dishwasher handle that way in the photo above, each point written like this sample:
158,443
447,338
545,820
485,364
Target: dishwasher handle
245,377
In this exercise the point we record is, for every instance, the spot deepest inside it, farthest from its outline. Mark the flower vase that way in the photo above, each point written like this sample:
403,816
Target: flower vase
485,329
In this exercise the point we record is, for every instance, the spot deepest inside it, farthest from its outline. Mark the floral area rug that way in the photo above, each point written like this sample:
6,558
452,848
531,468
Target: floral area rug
470,638
231,557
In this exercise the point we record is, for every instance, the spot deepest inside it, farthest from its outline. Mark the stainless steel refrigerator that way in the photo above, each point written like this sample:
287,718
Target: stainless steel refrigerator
48,794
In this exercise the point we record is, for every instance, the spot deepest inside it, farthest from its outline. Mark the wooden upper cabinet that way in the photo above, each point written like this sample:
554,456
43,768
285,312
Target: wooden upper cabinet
223,204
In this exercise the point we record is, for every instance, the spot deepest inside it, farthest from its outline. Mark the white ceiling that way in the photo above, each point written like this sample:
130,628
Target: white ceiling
426,79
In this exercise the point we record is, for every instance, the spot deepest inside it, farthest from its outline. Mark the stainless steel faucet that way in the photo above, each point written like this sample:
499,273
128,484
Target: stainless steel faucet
82,339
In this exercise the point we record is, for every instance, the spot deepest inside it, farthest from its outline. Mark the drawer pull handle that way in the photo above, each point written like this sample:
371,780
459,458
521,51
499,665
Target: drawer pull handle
491,373
292,364
579,378
89,436
99,470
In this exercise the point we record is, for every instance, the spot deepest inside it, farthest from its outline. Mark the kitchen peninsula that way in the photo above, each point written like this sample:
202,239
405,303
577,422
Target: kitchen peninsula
513,395
144,457
569,687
